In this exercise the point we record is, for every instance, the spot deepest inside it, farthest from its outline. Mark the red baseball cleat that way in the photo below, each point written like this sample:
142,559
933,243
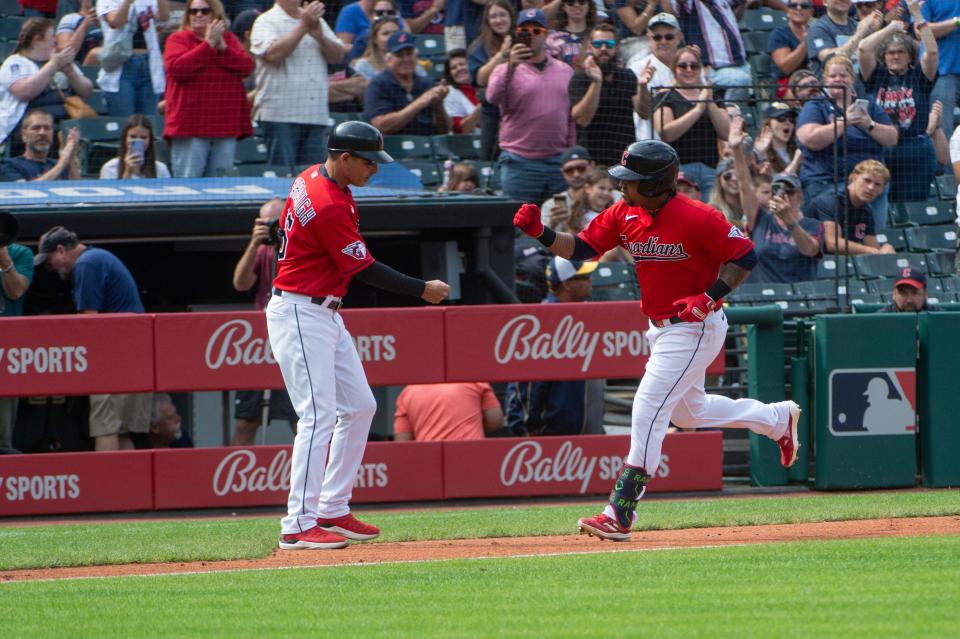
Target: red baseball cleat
789,444
315,538
603,527
350,527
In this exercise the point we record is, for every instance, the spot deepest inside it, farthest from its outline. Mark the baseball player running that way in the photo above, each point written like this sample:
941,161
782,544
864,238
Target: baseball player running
688,257
320,251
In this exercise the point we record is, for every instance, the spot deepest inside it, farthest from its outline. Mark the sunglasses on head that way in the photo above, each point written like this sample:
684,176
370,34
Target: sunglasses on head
532,30
688,66
669,37
800,5
600,44
384,12
204,11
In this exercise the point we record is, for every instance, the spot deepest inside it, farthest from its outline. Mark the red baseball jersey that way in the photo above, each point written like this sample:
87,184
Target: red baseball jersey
677,252
321,248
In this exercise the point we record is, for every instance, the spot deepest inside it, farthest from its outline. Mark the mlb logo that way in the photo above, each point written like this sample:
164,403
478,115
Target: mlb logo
873,401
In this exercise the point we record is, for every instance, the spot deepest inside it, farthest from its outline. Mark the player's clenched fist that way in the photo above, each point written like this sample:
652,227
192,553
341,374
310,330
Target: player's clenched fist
527,219
695,307
436,291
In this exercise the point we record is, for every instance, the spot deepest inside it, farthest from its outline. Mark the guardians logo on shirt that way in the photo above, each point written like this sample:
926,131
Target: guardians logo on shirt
357,250
652,249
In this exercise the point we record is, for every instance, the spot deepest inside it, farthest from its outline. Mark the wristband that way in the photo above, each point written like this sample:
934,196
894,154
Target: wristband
718,290
792,225
548,237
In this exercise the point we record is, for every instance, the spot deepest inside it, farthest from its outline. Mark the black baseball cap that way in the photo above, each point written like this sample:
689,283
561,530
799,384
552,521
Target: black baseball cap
576,152
912,277
788,178
49,241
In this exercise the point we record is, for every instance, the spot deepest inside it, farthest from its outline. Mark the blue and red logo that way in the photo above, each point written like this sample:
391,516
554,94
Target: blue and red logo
873,401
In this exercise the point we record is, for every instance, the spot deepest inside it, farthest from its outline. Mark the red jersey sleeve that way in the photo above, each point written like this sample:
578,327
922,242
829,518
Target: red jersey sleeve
722,240
339,235
603,233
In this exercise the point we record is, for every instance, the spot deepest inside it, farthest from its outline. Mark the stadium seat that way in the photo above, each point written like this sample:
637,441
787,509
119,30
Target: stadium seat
10,27
881,286
430,45
615,281
6,48
757,292
755,41
825,289
161,152
932,238
91,73
101,129
763,20
894,237
401,147
459,147
761,65
928,213
878,265
946,186
99,104
951,284
941,262
829,267
431,175
866,298
262,170
250,151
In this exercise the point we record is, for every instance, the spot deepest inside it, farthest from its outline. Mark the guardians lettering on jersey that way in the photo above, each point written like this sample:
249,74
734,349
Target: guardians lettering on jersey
652,249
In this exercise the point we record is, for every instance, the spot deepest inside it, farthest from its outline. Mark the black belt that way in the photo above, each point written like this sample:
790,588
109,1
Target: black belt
333,305
664,322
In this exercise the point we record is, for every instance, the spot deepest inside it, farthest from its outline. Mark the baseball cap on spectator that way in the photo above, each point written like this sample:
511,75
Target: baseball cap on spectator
50,240
912,277
788,178
778,109
575,153
686,179
560,269
663,18
532,15
244,22
725,165
399,41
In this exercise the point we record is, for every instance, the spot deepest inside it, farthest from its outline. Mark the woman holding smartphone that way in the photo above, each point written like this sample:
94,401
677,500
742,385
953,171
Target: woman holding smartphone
136,157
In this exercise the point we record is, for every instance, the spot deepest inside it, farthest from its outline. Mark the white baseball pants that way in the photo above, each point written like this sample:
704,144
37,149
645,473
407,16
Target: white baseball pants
329,390
672,389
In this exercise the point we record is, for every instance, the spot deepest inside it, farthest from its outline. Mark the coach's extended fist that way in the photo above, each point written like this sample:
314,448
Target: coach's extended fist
436,291
696,307
527,219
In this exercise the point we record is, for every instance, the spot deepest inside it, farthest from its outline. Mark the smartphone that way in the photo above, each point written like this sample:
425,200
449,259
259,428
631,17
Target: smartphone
777,189
138,147
861,104
523,37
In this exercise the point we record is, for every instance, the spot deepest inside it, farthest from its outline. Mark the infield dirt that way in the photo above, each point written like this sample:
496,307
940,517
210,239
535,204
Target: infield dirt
361,553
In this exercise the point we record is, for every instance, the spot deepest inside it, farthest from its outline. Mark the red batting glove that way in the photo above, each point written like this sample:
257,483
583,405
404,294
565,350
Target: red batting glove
527,219
695,307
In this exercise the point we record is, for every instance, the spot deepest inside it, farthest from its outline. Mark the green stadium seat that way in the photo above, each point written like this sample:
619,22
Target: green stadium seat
430,45
615,281
761,66
946,186
932,238
6,48
101,129
756,292
430,174
10,27
161,151
262,170
251,151
755,41
91,73
931,212
402,147
763,20
817,290
9,8
940,262
459,147
950,284
829,267
866,298
894,237
881,286
99,104
879,265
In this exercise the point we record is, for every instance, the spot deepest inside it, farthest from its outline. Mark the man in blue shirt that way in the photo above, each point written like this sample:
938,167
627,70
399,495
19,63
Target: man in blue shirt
398,101
944,19
36,165
101,284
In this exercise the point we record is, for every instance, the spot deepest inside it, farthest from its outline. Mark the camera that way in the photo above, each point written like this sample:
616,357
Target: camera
273,233
9,229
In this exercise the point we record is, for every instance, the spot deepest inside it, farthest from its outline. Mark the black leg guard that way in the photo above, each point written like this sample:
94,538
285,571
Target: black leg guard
626,494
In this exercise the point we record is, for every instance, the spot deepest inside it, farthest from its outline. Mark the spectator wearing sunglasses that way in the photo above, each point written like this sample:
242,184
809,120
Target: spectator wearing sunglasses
354,20
712,26
788,44
398,101
776,145
837,33
665,38
531,90
687,118
605,96
903,89
575,20
575,163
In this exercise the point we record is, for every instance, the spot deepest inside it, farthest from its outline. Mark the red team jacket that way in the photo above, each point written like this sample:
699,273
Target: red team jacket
677,253
322,249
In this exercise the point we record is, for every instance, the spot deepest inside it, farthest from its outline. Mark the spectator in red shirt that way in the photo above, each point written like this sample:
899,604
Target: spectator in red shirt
207,108
433,412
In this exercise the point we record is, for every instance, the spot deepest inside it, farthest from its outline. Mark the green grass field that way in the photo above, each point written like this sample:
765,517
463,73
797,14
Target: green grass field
903,587
196,540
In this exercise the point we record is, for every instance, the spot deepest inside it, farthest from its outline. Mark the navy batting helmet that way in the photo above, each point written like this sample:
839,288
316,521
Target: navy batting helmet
652,163
360,139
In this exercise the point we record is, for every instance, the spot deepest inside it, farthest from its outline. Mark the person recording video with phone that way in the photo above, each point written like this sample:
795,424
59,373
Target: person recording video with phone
136,156
255,270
